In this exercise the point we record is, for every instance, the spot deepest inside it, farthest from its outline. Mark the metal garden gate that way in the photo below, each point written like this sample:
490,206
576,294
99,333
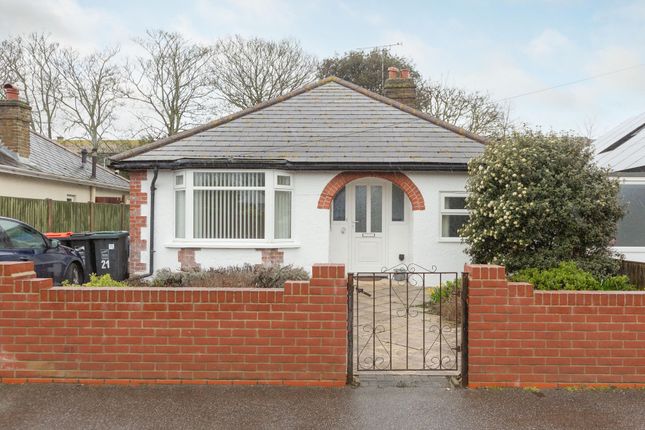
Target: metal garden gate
407,318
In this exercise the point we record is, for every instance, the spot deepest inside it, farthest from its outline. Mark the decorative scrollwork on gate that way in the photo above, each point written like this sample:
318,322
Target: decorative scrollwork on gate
409,268
446,357
398,327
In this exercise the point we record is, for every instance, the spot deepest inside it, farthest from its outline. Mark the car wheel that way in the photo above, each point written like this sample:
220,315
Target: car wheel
74,275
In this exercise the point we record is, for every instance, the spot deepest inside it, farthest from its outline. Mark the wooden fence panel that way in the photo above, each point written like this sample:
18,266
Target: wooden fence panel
71,216
30,211
110,217
635,271
59,216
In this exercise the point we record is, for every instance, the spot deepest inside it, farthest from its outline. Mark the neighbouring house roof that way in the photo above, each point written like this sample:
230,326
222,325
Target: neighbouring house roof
48,160
108,146
7,157
329,124
622,148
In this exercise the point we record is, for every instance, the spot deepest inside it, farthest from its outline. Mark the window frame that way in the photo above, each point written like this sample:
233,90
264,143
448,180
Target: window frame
332,206
176,188
269,188
629,180
444,211
403,205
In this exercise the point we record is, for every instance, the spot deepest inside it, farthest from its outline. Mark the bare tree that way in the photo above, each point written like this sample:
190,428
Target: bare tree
92,91
12,63
172,81
249,71
31,61
589,127
473,111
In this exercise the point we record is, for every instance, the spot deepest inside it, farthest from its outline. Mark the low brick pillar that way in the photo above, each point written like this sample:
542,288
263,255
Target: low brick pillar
521,337
296,335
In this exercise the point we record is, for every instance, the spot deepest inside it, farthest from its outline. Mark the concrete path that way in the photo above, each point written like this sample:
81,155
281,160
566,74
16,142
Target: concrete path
433,406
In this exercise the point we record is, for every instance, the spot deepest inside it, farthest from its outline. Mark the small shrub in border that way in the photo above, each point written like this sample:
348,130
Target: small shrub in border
445,301
447,289
254,276
99,281
568,276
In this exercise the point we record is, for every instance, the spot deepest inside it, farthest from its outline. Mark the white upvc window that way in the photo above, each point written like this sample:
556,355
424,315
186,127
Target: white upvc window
630,232
180,205
282,207
453,215
217,206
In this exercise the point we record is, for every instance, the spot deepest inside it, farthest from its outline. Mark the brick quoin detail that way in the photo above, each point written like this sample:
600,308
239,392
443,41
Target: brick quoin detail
138,197
344,178
296,335
521,337
186,258
272,256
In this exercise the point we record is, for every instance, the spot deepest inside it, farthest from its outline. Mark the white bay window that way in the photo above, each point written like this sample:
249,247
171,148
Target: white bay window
233,206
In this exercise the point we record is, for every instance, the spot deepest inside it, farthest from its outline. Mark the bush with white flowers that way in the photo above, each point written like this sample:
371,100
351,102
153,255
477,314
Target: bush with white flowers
538,199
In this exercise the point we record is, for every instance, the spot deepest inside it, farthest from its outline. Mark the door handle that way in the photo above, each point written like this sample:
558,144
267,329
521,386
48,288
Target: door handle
24,259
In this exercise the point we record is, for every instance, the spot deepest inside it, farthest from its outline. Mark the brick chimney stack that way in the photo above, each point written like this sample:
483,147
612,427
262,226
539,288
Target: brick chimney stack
15,120
400,86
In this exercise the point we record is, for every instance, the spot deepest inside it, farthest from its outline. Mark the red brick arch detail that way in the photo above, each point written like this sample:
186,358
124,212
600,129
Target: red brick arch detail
400,179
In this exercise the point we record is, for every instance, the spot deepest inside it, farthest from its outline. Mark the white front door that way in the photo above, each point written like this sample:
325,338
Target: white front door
367,247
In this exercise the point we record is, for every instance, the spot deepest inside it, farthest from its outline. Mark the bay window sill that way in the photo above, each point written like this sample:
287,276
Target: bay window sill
218,244
450,239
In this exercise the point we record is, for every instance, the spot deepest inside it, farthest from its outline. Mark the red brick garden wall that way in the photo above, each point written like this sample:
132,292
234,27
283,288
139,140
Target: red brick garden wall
296,335
519,337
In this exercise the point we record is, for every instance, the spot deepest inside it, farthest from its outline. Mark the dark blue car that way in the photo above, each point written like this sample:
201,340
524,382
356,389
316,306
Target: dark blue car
21,242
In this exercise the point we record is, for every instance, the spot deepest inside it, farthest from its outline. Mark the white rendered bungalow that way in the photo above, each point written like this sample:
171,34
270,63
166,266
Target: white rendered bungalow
328,173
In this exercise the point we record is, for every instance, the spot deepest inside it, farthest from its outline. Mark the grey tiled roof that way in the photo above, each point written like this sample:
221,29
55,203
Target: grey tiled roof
623,148
329,122
50,158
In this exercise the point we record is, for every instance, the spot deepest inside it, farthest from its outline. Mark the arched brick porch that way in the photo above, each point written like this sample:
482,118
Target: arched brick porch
400,179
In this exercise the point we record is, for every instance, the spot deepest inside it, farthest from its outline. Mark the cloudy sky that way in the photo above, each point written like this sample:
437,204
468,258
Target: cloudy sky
506,48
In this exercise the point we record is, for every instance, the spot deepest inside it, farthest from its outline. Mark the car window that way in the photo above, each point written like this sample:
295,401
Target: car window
18,236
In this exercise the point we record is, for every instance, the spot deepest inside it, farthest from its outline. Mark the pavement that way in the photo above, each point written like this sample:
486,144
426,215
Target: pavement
434,405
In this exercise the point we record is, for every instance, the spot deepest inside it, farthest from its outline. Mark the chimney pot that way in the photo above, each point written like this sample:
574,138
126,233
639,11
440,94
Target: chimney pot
83,156
400,88
11,92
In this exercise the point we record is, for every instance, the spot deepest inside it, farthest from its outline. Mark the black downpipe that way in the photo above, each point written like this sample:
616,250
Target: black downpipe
151,247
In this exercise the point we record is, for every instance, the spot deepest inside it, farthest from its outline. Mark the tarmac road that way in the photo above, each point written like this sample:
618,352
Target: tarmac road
431,406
